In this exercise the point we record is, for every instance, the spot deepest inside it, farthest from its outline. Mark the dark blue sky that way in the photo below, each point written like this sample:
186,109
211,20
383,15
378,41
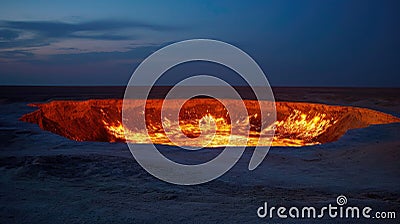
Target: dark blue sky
296,43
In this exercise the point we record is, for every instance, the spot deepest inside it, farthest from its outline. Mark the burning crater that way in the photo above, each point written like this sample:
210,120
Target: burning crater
297,124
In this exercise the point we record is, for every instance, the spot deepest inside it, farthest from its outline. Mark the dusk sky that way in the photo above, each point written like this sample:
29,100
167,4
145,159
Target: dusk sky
296,43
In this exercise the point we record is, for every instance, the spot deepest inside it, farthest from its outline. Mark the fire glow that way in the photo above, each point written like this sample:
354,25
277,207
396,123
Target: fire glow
203,122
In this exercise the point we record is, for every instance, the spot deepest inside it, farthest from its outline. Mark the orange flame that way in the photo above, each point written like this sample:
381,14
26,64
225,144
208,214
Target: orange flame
298,129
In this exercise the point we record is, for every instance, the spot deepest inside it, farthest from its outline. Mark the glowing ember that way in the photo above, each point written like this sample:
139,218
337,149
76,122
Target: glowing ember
203,122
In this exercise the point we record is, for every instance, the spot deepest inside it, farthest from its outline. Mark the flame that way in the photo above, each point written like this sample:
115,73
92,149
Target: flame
298,129
301,129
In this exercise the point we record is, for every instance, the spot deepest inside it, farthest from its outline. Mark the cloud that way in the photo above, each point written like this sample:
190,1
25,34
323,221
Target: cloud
7,35
14,55
52,29
50,37
79,46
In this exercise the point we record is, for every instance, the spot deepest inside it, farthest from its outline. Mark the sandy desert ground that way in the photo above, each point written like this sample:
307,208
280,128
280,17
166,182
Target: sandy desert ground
46,178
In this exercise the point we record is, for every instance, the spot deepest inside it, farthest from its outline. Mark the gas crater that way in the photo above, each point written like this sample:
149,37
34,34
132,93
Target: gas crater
207,120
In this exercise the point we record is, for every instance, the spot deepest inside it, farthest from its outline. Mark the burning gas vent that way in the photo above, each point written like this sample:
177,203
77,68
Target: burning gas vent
298,124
